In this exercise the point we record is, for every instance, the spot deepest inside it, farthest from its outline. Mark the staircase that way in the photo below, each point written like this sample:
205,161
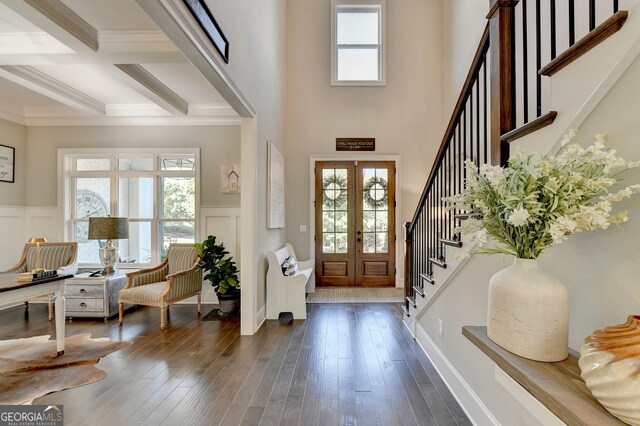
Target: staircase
518,91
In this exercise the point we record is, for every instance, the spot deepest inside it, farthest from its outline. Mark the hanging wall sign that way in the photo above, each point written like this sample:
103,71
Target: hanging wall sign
355,144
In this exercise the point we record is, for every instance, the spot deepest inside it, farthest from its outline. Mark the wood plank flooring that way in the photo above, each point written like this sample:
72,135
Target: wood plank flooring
347,364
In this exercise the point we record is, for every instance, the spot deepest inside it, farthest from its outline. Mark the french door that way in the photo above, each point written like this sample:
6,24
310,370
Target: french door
355,223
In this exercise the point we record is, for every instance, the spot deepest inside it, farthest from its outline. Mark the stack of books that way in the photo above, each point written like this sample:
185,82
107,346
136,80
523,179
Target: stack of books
35,276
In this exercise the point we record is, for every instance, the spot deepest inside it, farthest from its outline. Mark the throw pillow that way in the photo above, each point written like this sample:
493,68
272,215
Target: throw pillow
289,266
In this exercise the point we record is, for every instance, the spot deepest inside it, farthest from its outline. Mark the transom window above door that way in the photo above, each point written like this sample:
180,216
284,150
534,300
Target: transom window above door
357,39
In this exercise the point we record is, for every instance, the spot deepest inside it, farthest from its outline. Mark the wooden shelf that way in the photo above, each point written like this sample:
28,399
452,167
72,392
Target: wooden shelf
557,385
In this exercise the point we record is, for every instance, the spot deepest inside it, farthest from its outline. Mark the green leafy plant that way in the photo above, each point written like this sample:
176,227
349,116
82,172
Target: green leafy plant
220,270
538,201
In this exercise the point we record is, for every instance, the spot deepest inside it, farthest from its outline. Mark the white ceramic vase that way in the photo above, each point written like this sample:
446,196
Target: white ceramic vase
528,312
610,365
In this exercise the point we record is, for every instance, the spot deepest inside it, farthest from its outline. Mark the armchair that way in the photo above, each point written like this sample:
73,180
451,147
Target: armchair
176,278
53,255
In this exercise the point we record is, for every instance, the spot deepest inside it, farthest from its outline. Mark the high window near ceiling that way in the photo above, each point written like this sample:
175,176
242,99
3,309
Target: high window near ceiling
357,39
157,192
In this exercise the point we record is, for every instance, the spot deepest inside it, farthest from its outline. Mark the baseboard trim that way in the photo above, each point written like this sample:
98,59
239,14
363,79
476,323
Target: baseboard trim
261,317
470,403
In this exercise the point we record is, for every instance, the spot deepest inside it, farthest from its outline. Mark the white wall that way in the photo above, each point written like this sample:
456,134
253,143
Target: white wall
256,30
463,22
600,268
404,116
14,135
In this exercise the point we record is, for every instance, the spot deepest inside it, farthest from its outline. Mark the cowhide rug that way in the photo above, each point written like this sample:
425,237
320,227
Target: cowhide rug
29,367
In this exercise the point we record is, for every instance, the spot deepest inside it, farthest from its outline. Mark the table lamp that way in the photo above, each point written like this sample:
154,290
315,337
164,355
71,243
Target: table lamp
108,228
37,241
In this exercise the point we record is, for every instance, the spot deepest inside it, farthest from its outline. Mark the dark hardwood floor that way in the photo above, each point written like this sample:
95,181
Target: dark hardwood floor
347,364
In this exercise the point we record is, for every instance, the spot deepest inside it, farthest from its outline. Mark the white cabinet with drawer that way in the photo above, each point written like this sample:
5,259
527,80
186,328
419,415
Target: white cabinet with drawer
93,296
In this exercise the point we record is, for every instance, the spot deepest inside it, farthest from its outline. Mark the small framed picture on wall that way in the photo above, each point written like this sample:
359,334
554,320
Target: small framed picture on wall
7,164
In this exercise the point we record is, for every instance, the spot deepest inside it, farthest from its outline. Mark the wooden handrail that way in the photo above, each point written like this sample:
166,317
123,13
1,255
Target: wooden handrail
472,76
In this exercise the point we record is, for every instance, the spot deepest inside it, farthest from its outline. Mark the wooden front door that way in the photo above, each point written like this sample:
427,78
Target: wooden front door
355,223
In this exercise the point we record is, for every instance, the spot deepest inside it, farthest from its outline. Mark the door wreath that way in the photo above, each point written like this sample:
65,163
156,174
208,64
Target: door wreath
375,192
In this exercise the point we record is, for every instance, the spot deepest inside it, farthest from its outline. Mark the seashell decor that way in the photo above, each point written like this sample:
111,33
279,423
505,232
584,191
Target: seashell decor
610,365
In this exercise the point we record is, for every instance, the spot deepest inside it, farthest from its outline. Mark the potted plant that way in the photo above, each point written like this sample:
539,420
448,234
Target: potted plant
222,272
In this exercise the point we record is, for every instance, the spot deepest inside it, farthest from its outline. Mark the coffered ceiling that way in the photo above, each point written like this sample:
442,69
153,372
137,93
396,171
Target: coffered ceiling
97,62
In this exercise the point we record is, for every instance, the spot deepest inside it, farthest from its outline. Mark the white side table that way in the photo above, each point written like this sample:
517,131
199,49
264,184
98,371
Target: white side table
94,297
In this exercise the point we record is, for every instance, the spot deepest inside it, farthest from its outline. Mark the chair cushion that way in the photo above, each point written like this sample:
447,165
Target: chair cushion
181,258
51,257
149,293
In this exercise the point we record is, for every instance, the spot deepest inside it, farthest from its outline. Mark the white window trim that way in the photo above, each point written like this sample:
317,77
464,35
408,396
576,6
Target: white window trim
383,43
65,191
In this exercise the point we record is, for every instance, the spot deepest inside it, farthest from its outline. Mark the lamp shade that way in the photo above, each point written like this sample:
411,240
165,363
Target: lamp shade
37,240
108,228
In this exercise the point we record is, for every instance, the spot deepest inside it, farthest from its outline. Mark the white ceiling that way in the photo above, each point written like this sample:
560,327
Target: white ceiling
97,62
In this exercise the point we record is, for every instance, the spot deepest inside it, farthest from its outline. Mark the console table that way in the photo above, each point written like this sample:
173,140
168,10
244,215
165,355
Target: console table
12,291
94,297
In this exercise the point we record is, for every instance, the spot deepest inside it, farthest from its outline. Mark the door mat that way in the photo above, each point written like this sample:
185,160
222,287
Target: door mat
356,295
214,315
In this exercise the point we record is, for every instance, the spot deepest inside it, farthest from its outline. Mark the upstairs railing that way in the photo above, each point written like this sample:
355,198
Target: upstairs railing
547,36
501,100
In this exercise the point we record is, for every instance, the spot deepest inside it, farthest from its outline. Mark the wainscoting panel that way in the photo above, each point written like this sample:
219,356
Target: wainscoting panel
12,231
224,223
18,224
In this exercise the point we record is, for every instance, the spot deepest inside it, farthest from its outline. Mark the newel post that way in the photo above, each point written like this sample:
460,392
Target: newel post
503,90
407,263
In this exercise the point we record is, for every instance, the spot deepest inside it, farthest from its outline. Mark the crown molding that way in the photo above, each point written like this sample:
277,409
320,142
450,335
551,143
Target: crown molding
10,112
40,82
208,110
154,89
129,121
135,41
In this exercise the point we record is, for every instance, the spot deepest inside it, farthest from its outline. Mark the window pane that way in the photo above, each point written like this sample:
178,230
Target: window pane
135,198
178,162
92,197
179,198
135,163
358,64
93,164
357,27
176,232
87,249
137,248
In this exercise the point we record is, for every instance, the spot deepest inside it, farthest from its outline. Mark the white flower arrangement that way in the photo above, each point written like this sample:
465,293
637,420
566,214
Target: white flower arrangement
538,201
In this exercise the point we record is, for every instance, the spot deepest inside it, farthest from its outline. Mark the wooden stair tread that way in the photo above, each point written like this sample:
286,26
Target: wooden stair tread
452,243
428,278
418,290
440,262
530,127
588,42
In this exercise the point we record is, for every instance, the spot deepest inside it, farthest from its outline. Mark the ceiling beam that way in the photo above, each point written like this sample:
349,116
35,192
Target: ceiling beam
57,19
154,89
42,83
175,20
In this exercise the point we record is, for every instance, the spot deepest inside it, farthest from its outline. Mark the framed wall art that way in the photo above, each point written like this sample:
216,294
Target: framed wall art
7,164
230,178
